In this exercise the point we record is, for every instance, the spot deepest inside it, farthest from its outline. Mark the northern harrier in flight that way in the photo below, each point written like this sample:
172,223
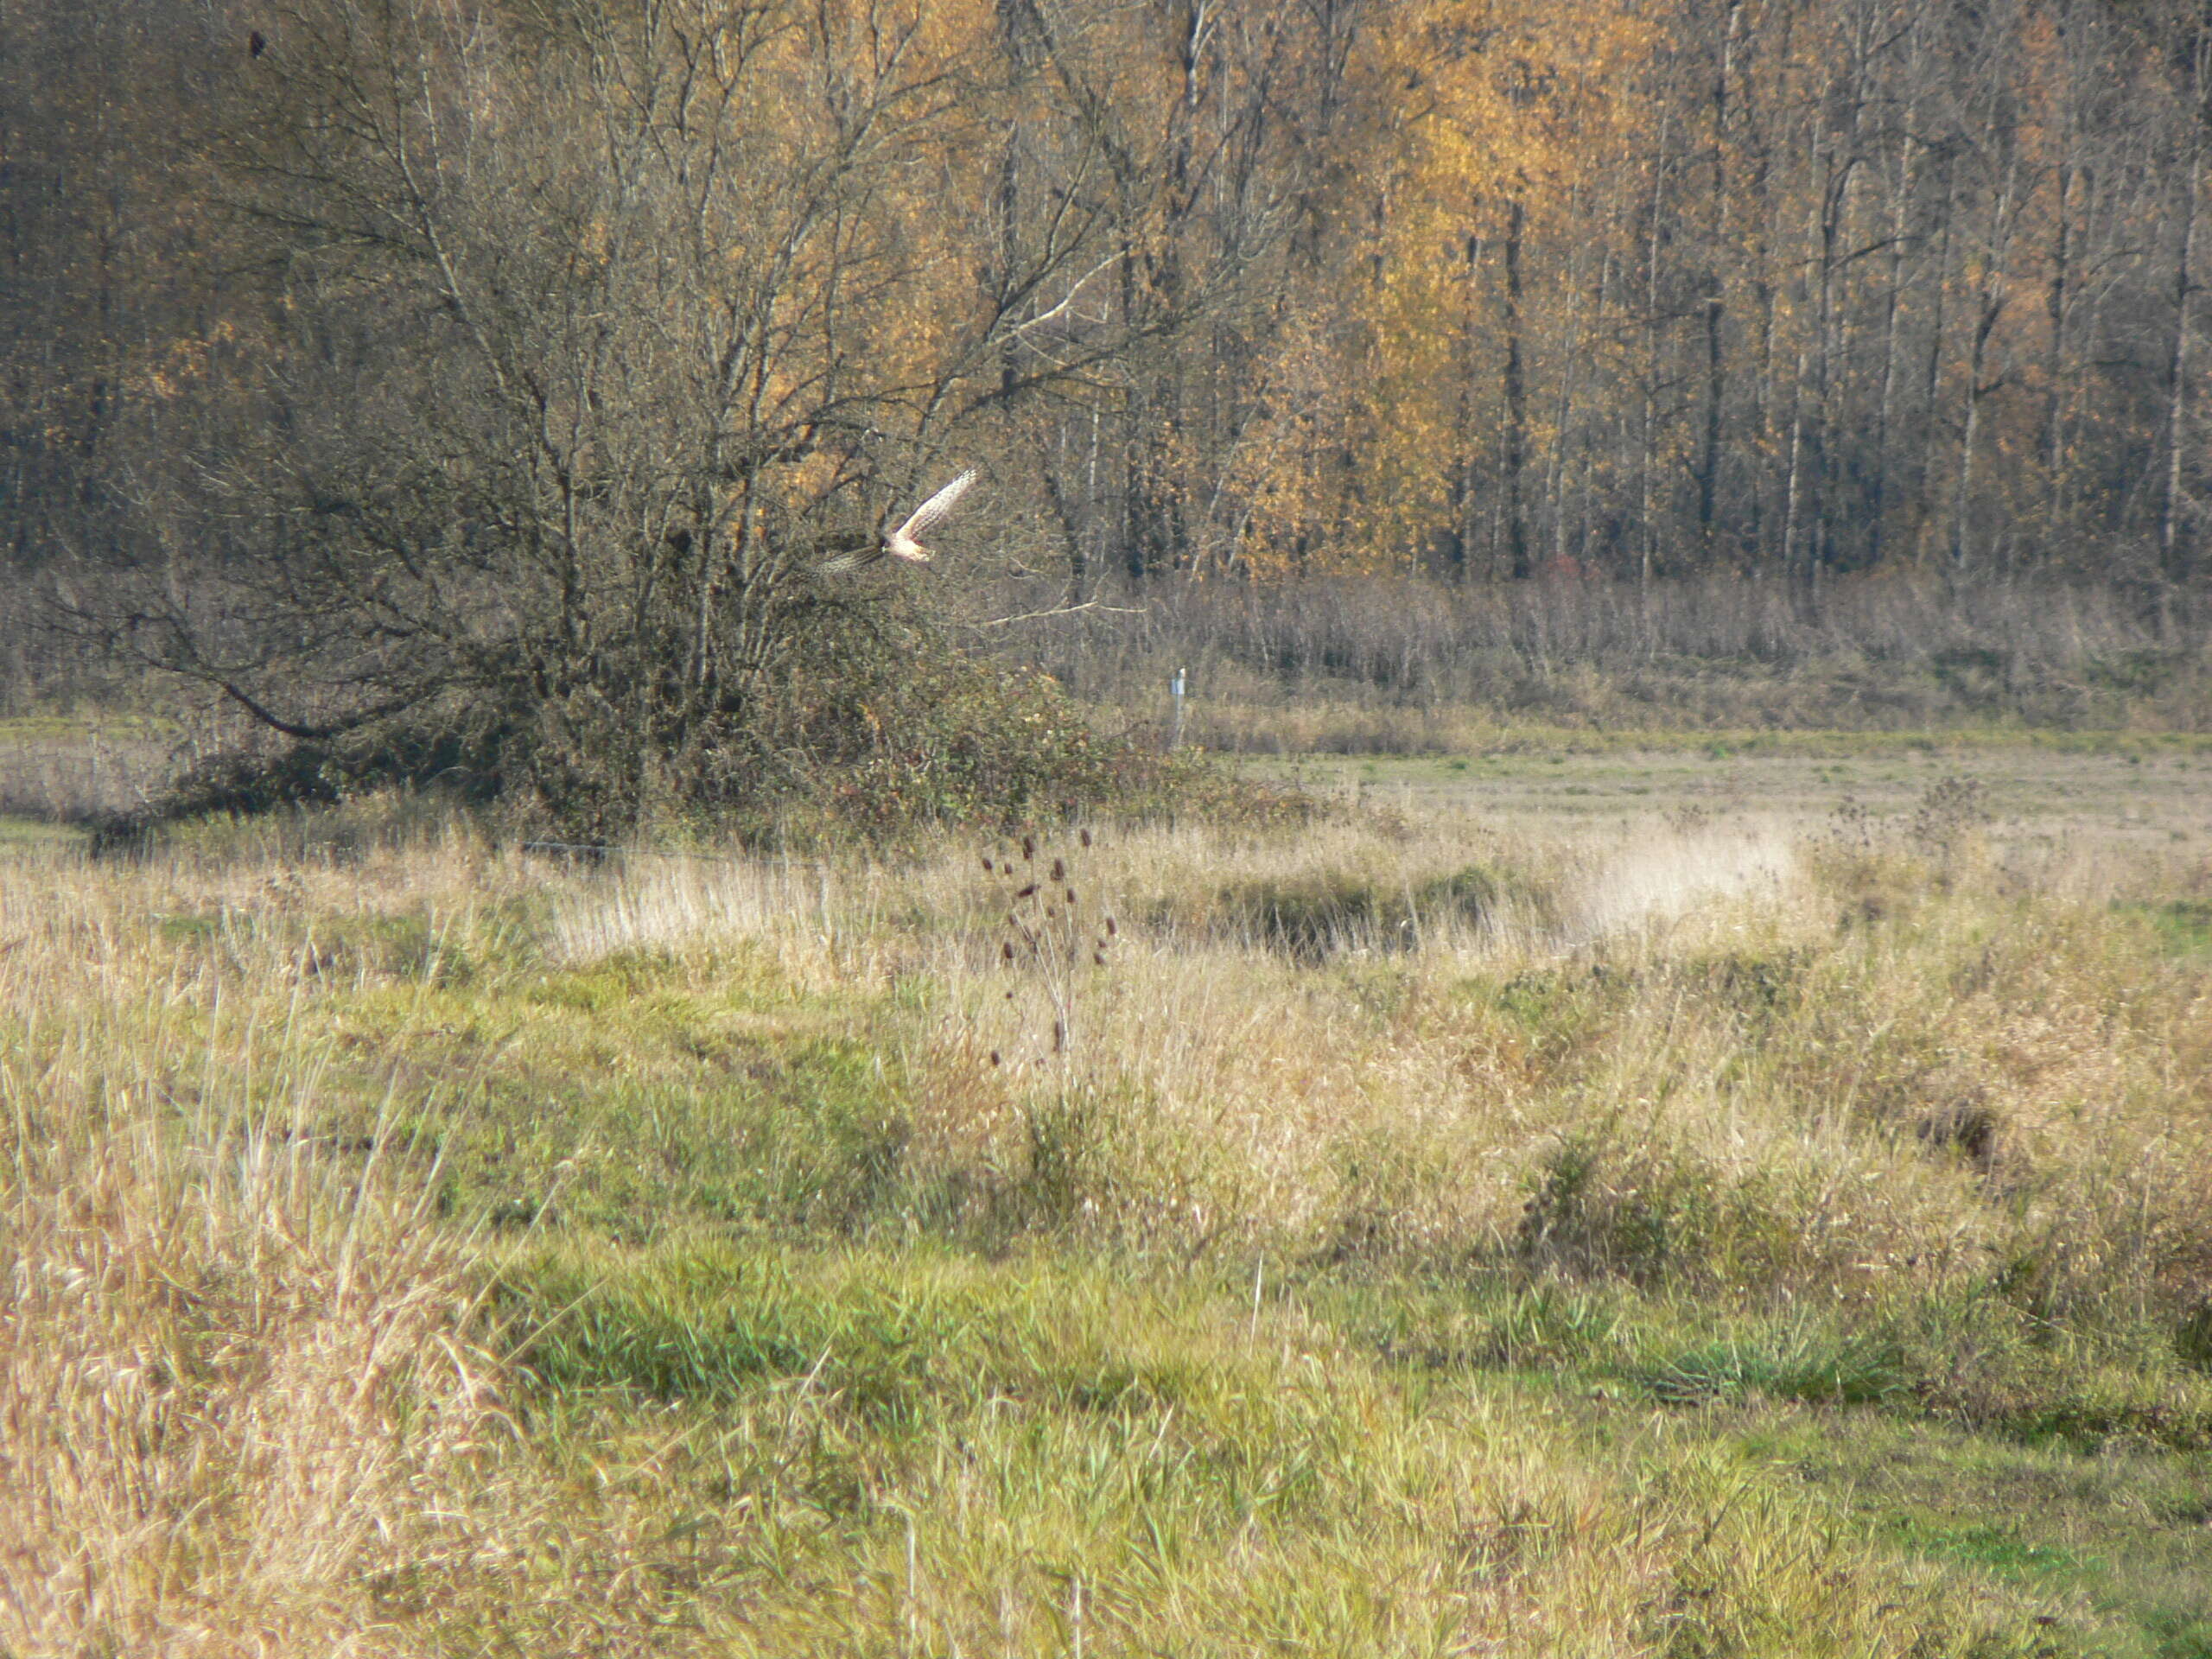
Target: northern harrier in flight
901,543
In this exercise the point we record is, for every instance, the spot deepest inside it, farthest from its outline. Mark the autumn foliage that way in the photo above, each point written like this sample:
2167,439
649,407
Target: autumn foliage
514,365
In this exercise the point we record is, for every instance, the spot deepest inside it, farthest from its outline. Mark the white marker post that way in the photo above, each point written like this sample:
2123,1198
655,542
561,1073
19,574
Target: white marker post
1176,687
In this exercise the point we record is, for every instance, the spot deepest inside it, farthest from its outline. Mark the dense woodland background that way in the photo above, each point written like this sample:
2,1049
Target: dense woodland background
521,358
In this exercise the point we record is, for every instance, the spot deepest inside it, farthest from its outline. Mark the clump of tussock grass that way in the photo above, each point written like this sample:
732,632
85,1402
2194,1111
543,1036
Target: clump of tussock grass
675,899
1841,1069
1813,1072
1316,917
1969,1089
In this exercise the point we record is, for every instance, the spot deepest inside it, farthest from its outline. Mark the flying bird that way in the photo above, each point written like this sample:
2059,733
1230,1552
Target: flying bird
903,542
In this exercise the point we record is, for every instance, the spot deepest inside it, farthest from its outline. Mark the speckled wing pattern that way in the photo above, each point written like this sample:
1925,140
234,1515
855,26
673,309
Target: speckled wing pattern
901,543
904,542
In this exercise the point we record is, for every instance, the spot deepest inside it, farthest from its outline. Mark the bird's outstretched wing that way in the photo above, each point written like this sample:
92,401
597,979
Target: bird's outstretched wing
929,513
858,559
938,505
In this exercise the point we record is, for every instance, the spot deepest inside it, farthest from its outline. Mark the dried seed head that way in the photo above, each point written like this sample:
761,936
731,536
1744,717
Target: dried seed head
1071,896
1099,958
988,865
1110,929
1059,869
1007,950
1026,891
994,1056
1085,837
1028,849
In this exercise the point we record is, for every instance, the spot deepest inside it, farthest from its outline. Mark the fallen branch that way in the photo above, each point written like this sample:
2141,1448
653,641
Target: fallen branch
1063,610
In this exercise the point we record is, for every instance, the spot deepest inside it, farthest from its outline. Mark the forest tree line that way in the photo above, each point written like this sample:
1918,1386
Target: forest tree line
543,346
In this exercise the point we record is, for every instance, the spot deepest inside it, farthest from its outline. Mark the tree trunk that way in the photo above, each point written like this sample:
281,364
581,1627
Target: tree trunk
1516,399
1715,299
2172,557
1886,414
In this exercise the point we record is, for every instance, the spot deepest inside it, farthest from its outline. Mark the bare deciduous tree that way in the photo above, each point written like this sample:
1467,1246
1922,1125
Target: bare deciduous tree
597,326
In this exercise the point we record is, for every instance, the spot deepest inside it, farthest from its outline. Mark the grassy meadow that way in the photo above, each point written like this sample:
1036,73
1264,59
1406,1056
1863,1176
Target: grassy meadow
1686,1198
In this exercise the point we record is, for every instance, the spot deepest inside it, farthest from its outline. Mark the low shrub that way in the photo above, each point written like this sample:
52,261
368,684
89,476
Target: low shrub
874,733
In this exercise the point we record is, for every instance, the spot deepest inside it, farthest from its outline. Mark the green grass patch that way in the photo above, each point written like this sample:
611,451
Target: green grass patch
2117,1536
1976,1360
2183,927
894,1333
907,1448
21,834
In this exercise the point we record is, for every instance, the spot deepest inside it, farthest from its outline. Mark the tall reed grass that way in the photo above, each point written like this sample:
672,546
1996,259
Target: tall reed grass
1379,665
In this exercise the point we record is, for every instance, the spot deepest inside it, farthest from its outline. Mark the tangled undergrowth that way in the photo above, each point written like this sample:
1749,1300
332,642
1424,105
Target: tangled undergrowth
878,729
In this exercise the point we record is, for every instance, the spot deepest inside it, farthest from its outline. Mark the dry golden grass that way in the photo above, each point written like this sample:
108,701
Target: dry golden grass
1863,1054
416,1247
215,1326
